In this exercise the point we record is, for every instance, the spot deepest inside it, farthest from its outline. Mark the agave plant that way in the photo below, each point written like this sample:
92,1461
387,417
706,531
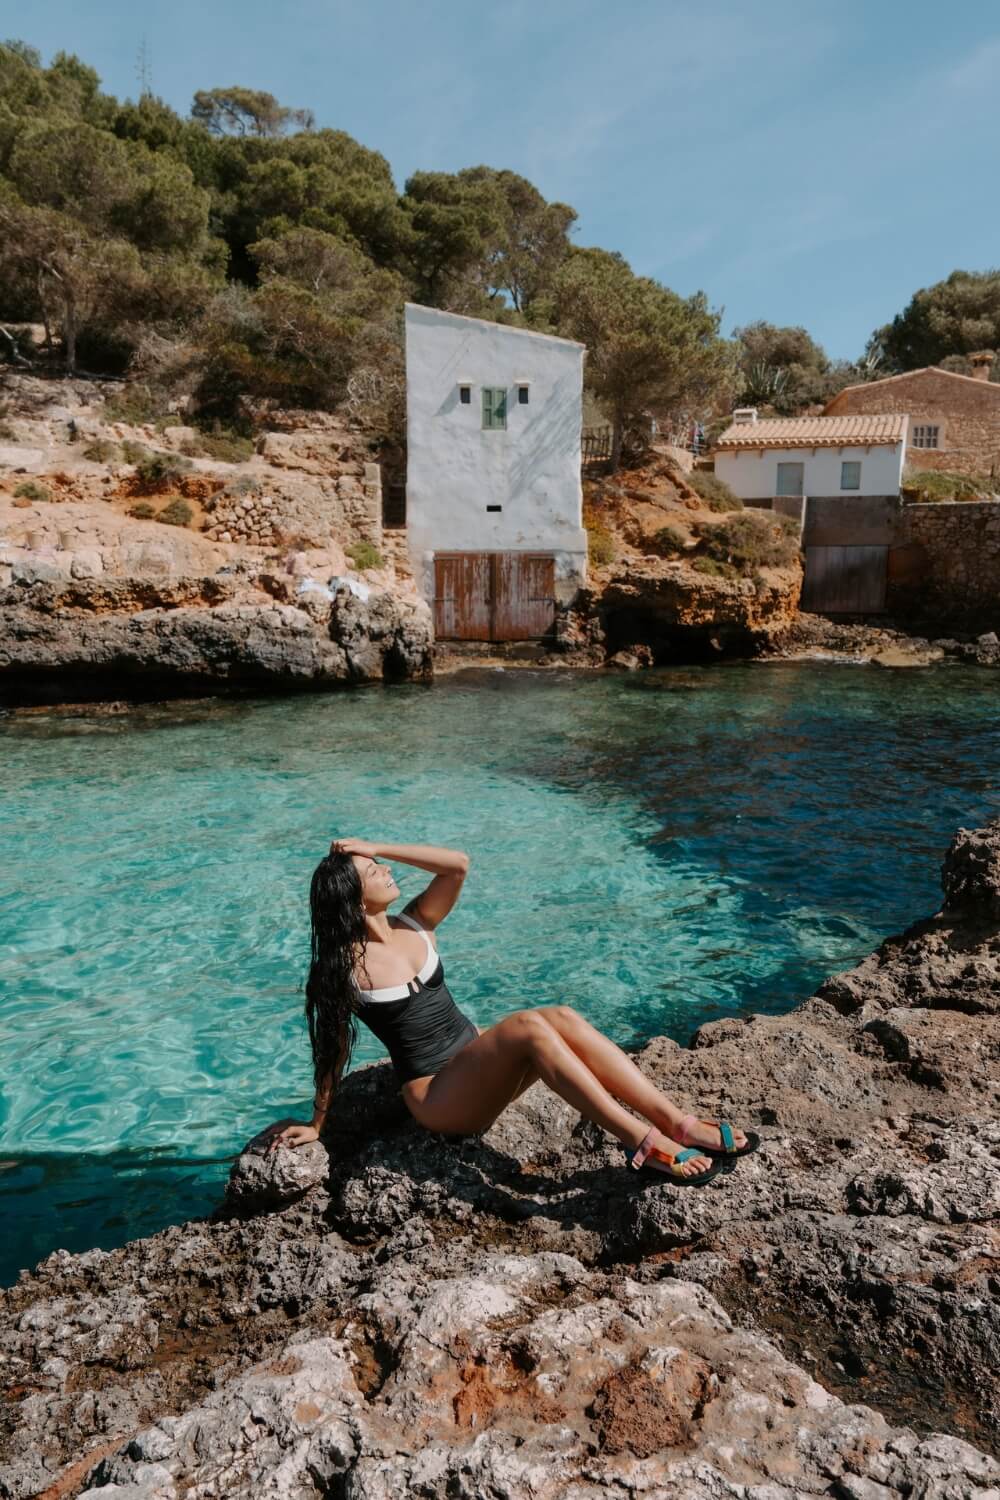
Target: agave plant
764,384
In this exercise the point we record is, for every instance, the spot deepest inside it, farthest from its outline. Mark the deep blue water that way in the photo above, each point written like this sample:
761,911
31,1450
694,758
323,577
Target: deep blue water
658,850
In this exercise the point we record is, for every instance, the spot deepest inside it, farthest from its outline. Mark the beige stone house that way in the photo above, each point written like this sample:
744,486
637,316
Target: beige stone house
954,419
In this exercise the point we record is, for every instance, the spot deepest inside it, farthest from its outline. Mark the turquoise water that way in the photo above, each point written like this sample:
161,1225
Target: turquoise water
657,850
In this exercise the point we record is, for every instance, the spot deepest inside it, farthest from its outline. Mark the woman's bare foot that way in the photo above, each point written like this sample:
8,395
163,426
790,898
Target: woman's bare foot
698,1133
689,1168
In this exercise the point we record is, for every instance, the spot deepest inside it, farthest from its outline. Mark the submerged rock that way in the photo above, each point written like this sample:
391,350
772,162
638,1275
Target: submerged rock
907,656
516,1314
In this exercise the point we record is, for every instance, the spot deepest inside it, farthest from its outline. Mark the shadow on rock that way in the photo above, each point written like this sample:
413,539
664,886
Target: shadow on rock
516,1313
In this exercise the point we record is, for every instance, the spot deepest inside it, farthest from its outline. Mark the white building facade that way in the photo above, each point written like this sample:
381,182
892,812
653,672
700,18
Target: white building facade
493,493
825,457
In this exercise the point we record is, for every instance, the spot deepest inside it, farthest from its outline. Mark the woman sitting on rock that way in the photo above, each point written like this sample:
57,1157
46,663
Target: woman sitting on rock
455,1079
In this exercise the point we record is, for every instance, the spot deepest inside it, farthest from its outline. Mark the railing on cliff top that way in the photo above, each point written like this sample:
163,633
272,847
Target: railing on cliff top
595,445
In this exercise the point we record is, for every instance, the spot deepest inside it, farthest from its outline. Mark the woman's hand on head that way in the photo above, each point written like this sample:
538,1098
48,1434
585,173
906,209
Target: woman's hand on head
353,846
290,1133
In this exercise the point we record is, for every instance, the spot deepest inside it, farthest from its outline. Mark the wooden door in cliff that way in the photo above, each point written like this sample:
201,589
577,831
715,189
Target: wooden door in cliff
463,596
845,580
493,596
524,604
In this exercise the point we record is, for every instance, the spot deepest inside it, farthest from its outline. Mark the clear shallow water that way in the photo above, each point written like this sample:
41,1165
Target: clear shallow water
658,850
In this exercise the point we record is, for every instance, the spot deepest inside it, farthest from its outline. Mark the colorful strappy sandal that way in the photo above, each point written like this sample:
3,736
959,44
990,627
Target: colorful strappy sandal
728,1152
649,1158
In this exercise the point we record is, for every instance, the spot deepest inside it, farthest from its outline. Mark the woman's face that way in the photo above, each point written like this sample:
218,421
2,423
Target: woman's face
378,887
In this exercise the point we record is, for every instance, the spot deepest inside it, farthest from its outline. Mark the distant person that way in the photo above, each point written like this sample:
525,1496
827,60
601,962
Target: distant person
455,1079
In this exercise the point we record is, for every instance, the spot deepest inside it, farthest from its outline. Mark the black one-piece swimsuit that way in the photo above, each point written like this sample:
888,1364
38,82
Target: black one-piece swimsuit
419,1023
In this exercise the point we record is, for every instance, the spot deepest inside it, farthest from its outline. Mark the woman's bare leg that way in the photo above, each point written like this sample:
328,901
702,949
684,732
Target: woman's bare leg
620,1076
480,1081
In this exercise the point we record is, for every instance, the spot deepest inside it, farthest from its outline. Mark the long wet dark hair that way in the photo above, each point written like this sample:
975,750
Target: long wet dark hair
339,941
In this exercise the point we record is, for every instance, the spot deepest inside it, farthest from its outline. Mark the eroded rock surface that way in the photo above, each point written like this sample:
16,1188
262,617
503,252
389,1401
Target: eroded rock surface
102,596
517,1315
65,638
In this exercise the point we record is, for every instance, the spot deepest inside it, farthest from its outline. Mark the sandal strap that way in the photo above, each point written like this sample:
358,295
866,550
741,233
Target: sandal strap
722,1126
643,1149
672,1162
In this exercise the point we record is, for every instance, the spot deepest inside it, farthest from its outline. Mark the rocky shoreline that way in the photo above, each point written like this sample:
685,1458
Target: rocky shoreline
392,1314
64,639
102,600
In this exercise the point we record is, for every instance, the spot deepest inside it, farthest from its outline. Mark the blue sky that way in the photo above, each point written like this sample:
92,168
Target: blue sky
798,160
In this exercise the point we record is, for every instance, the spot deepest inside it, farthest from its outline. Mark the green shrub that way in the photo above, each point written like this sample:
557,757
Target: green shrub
161,468
176,512
8,432
30,489
930,485
101,451
142,510
133,452
713,492
668,541
243,484
224,444
134,404
601,547
363,555
715,569
751,540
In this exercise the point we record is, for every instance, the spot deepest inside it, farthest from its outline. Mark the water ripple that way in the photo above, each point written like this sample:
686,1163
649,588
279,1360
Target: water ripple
658,851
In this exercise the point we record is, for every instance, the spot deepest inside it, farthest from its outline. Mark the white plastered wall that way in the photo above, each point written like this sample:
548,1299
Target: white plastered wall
753,473
455,468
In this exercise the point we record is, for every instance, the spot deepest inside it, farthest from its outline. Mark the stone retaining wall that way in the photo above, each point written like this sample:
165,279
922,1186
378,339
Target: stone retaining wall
270,511
945,564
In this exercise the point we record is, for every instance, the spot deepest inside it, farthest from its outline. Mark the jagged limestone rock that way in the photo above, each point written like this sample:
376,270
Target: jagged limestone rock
517,1314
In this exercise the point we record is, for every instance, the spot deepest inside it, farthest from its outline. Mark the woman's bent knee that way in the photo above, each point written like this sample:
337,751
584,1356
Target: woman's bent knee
529,1027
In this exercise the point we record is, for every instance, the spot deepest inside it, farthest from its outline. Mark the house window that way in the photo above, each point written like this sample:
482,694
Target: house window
925,436
850,474
790,479
465,395
522,395
494,406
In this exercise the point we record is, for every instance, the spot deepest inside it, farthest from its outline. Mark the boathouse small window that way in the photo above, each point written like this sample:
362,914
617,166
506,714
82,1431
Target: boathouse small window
790,479
850,474
465,395
925,436
522,394
494,407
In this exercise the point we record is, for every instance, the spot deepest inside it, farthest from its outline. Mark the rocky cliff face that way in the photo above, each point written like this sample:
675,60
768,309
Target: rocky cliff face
139,636
516,1315
99,598
648,601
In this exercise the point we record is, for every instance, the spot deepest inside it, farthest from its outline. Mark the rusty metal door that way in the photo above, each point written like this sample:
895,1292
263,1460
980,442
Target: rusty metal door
493,596
524,603
463,596
845,580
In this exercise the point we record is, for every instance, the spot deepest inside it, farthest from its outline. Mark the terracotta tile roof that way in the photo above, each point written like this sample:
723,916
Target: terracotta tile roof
815,432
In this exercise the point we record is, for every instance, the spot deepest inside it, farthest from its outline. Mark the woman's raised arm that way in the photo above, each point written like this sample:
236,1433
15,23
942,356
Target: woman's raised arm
448,866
